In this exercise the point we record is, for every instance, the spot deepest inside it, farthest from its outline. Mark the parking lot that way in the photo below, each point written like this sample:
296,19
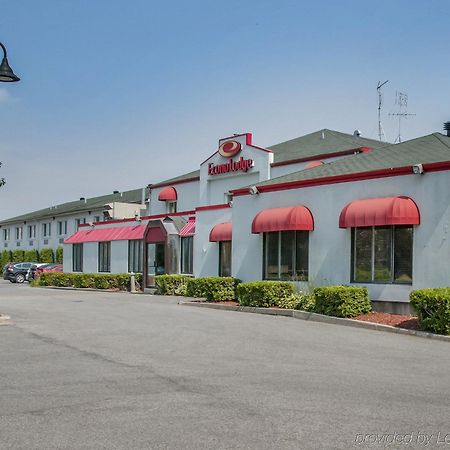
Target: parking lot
120,371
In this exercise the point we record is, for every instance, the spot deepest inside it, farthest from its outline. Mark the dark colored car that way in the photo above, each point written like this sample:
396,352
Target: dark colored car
16,272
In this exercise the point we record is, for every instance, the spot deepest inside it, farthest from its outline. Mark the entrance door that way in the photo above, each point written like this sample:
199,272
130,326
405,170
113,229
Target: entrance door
155,261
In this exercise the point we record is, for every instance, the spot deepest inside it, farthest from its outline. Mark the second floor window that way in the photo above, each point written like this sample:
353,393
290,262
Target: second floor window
62,227
19,233
6,234
31,231
46,229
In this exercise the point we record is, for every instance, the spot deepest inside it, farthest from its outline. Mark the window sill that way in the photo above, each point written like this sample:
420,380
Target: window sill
386,283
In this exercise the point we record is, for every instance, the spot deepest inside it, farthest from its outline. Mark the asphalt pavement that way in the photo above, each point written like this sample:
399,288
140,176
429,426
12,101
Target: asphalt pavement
96,370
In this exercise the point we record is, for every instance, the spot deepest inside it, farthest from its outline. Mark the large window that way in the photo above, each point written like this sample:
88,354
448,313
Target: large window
187,255
77,257
286,255
104,256
135,255
225,259
382,254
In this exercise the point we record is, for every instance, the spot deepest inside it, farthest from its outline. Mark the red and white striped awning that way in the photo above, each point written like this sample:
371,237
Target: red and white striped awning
189,228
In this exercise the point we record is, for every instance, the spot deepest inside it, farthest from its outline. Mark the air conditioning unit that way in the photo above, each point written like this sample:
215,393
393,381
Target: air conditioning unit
45,241
30,243
61,240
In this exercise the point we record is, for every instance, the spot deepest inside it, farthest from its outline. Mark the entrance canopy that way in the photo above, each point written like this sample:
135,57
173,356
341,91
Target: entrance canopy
221,232
380,211
107,234
283,219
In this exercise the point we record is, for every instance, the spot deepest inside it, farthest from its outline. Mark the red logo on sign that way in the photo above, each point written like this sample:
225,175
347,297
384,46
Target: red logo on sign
229,148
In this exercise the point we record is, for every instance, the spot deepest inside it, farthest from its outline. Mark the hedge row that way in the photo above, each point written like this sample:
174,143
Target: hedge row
46,255
86,280
340,301
433,309
211,288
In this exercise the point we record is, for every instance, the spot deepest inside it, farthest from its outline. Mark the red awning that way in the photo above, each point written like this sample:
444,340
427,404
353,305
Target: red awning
313,164
107,234
283,219
221,232
380,211
189,228
168,194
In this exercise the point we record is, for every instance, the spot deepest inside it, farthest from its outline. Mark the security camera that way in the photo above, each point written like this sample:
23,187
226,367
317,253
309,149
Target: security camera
253,190
417,169
137,217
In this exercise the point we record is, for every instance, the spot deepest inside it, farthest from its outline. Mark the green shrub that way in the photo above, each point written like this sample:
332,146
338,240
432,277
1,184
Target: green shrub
59,255
433,309
305,302
267,294
212,288
87,280
342,301
18,256
46,255
31,256
171,284
5,258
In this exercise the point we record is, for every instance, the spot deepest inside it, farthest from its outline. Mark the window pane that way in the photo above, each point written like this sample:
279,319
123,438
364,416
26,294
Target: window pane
287,255
135,250
187,254
271,256
104,256
382,252
363,254
301,255
225,259
403,244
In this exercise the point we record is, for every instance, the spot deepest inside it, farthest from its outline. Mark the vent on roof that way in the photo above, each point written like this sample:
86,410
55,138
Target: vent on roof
357,133
447,128
115,192
82,199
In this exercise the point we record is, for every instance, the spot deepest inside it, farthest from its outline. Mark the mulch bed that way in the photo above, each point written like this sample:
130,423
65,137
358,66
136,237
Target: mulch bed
394,320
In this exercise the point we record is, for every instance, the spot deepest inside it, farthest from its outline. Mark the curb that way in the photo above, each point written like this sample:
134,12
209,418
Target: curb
314,317
62,288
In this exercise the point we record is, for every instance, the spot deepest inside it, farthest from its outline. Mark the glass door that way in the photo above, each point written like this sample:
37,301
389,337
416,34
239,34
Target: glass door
155,261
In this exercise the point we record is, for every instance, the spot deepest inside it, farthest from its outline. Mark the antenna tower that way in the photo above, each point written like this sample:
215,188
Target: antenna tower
381,135
401,99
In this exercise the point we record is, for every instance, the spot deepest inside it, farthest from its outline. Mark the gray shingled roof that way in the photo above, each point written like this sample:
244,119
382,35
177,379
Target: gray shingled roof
425,150
186,176
318,143
133,196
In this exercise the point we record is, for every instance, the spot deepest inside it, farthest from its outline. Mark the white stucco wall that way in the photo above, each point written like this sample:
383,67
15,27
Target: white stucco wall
188,198
330,246
206,254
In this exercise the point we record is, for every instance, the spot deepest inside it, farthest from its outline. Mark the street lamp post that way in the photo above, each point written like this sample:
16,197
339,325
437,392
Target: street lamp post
6,73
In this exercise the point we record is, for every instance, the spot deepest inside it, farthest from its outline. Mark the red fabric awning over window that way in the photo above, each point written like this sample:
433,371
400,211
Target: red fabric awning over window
189,228
107,234
168,194
283,219
221,232
380,211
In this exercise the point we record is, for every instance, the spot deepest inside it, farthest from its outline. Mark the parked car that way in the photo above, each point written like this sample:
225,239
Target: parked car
17,272
48,268
31,274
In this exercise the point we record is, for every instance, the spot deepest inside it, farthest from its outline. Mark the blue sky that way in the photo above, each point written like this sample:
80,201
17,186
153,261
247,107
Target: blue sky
116,95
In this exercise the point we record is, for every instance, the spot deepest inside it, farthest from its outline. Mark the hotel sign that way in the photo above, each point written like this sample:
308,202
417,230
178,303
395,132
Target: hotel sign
228,149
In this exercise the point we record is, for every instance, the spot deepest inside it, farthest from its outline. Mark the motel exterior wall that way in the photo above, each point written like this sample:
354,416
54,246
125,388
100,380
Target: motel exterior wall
330,246
188,197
